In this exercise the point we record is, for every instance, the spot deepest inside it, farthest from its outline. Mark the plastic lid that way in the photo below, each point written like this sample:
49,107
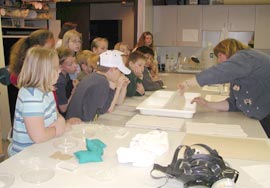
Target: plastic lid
37,175
6,180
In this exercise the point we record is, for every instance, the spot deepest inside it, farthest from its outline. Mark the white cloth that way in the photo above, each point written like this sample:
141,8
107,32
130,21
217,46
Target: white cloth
144,148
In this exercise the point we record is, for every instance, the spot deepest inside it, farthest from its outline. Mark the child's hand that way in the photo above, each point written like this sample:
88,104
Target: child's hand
140,88
60,125
122,81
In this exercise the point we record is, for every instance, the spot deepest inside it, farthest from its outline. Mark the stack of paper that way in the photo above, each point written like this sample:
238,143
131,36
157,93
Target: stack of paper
215,129
155,122
260,173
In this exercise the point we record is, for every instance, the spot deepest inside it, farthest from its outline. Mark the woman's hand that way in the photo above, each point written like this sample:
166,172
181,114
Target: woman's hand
201,101
222,106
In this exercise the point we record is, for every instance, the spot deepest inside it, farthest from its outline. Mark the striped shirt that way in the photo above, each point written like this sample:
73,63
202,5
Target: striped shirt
31,102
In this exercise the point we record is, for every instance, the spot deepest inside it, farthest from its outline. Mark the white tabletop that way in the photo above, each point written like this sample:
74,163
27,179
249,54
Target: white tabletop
124,112
123,175
118,175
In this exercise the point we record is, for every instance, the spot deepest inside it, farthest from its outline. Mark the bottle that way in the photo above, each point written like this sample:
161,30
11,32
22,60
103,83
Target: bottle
208,57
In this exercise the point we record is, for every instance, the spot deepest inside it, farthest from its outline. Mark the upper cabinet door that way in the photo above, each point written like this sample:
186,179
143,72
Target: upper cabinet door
215,17
164,25
189,23
262,27
241,18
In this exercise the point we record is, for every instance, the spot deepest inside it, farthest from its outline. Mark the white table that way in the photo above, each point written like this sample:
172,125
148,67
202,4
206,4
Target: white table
122,175
124,112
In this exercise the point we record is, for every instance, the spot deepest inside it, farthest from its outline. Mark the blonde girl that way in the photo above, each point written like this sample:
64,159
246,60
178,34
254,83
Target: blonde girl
99,45
36,118
73,40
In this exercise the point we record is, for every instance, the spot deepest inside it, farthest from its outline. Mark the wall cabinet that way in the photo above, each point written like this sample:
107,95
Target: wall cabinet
165,25
232,17
262,27
189,23
177,25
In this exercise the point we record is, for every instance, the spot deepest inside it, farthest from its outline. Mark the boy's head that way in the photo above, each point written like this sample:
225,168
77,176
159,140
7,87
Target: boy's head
148,54
122,47
112,63
99,45
66,60
87,61
136,61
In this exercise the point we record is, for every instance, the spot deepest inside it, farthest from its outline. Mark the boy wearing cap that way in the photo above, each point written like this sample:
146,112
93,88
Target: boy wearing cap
100,91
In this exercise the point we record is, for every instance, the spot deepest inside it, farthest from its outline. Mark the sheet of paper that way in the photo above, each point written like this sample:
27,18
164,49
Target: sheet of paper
190,35
215,129
260,173
237,148
216,98
155,122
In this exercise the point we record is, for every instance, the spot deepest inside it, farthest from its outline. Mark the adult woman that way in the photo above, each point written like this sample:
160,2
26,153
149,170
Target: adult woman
146,39
247,71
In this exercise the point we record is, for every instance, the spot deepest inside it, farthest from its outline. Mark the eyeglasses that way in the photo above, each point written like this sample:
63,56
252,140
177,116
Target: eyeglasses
76,41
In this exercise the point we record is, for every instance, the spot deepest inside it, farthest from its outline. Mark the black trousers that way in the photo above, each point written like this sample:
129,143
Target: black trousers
265,122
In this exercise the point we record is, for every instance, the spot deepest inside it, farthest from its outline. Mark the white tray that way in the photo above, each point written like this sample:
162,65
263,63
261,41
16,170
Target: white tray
169,103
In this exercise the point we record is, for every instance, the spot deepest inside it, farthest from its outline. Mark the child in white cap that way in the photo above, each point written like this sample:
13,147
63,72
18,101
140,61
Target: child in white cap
100,91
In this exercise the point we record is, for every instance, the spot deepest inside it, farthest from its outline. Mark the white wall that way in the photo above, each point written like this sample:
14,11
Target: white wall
116,12
145,17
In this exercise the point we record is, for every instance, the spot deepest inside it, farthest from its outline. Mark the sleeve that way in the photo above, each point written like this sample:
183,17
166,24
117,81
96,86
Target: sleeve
131,88
232,102
237,66
32,106
108,102
148,83
61,91
94,99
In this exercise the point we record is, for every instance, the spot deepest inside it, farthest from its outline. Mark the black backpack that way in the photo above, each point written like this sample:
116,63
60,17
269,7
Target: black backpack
196,168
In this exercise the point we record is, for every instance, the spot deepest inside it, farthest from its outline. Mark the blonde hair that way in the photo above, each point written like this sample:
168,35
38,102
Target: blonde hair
68,35
38,68
88,58
95,42
63,54
229,47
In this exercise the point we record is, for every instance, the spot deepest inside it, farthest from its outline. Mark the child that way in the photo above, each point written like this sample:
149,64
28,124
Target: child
122,47
73,40
151,81
99,45
65,27
36,118
41,37
88,63
64,85
136,62
101,90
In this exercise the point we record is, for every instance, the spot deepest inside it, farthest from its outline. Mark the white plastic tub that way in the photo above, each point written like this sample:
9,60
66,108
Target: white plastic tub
169,103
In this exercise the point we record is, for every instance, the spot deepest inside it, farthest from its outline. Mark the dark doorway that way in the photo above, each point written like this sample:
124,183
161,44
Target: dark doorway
78,13
109,29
